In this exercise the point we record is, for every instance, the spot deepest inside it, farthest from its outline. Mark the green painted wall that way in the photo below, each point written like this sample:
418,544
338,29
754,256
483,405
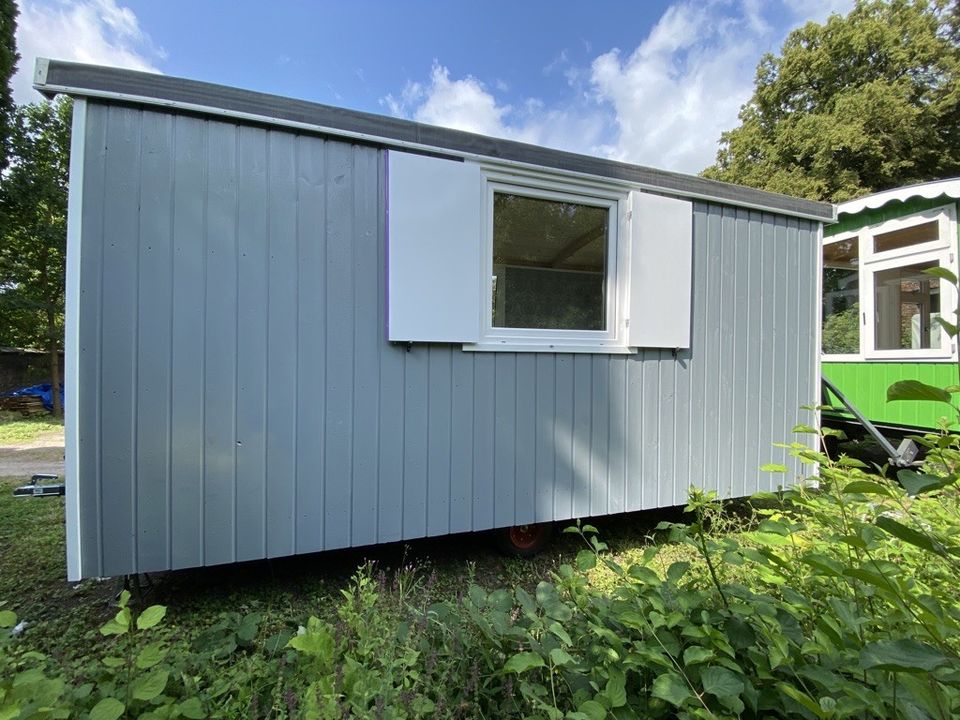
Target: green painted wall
865,385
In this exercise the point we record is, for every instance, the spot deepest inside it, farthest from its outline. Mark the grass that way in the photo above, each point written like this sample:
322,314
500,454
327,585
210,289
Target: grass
16,429
62,617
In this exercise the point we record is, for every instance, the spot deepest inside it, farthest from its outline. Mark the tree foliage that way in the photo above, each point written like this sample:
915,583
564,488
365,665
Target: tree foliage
33,201
8,66
856,105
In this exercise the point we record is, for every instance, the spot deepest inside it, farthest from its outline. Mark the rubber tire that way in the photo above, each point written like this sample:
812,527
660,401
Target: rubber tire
518,541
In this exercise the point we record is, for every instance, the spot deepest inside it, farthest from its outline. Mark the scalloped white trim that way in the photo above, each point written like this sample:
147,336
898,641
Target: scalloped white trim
931,190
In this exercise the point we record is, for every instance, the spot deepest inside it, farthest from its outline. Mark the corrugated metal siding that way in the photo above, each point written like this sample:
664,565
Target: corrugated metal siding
238,399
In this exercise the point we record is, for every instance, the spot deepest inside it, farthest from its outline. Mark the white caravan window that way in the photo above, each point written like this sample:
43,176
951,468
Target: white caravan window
509,260
878,300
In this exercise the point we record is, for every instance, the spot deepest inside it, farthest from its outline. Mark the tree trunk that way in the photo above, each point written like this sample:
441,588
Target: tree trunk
54,363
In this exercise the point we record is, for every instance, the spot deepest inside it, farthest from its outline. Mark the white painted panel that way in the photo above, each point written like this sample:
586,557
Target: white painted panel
71,384
661,251
435,217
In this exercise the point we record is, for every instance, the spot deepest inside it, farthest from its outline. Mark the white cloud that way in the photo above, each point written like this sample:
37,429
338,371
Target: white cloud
91,31
664,104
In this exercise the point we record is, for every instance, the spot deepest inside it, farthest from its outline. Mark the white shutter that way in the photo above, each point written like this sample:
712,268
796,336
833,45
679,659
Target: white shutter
661,266
433,249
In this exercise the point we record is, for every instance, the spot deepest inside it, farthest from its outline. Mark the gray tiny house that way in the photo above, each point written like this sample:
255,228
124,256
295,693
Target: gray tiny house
292,328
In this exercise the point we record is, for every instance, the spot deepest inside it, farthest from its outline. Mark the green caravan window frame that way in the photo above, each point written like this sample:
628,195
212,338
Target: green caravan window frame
611,339
941,251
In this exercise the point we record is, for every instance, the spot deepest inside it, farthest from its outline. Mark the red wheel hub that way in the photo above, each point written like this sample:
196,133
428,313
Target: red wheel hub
525,537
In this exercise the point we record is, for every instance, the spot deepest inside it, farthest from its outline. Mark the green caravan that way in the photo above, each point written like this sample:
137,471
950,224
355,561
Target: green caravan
880,307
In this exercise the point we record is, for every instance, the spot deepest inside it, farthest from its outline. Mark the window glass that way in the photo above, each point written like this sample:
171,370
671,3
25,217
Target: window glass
907,304
549,263
913,235
841,296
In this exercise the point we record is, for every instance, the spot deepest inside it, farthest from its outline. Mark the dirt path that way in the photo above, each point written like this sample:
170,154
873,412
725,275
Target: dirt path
44,454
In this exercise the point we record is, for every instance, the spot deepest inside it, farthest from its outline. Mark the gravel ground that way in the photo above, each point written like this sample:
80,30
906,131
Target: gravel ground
42,455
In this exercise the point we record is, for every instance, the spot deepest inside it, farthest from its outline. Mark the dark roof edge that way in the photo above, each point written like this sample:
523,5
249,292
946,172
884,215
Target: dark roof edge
55,76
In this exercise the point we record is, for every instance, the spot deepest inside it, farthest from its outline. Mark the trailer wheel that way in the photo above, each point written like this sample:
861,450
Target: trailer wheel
524,540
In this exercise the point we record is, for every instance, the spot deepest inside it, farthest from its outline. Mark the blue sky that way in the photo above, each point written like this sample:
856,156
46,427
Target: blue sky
651,82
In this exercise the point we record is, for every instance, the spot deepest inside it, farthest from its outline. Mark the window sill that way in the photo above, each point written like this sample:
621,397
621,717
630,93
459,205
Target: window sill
547,347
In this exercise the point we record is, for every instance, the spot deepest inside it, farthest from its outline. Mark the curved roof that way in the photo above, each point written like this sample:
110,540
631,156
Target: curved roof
929,190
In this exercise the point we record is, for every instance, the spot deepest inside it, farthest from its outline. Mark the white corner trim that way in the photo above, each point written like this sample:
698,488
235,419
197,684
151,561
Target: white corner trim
931,190
71,375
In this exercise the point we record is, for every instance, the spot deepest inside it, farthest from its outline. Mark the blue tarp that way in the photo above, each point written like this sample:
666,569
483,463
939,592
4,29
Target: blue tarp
40,391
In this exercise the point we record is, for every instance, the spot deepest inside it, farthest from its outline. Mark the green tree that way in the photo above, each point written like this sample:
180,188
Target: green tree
8,66
33,200
858,104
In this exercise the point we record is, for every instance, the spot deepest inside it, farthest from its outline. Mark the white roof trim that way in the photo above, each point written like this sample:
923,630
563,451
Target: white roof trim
931,190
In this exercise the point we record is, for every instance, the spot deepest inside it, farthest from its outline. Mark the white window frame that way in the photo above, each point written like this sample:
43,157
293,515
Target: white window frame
943,251
613,339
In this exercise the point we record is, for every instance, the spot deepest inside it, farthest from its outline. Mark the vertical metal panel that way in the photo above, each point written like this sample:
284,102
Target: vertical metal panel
240,399
461,442
505,438
118,378
154,305
367,337
438,441
283,279
599,437
89,333
582,409
545,457
186,353
484,418
338,308
526,472
220,345
311,355
250,530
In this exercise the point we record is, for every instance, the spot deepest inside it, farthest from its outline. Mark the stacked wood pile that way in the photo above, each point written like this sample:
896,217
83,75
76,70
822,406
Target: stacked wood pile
25,404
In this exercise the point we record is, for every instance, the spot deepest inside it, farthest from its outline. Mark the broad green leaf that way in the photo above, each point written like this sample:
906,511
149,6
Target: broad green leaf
314,640
557,629
590,529
147,687
7,619
586,560
915,483
124,598
616,688
113,662
192,709
916,390
150,655
773,468
941,272
677,570
112,627
909,535
672,688
720,682
593,710
521,662
423,706
694,655
801,697
948,326
561,657
150,617
805,429
903,655
107,709
865,487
